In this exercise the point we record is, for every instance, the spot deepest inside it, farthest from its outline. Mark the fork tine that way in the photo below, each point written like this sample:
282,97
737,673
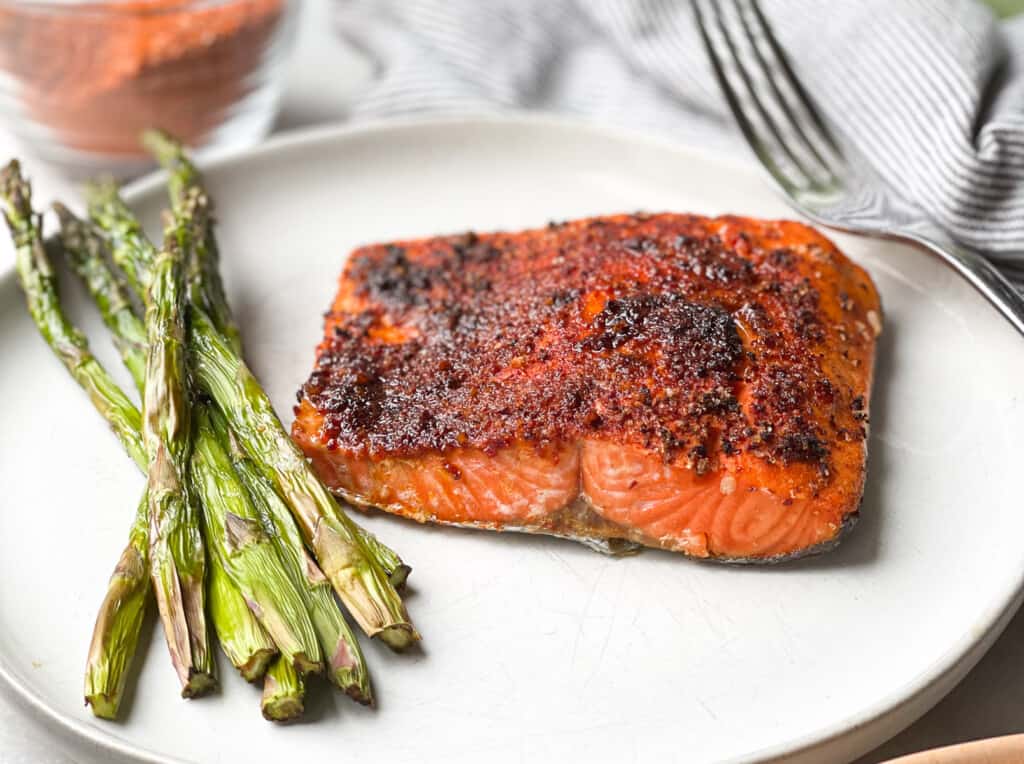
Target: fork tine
780,99
759,147
791,79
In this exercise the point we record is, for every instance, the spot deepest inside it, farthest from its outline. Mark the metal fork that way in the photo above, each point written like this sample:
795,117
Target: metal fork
832,186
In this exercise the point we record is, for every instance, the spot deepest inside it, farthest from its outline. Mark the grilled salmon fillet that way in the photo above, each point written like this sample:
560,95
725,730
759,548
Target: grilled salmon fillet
695,384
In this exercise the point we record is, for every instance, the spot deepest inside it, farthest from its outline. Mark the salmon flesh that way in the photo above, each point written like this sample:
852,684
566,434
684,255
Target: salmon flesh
695,384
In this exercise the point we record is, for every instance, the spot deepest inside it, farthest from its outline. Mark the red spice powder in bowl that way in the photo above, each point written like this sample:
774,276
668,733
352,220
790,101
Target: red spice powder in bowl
81,80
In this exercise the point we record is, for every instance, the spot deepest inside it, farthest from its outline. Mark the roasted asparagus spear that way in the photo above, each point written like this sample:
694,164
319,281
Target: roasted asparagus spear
185,186
243,640
186,189
349,561
346,667
176,550
248,554
118,624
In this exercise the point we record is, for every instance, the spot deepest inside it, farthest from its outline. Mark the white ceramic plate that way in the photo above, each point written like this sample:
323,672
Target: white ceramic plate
539,649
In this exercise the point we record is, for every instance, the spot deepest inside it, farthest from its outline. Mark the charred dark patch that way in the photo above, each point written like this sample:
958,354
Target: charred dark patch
801,446
394,279
710,259
469,249
783,258
699,339
496,340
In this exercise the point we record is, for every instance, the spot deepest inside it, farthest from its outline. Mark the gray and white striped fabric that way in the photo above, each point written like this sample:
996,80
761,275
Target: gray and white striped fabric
932,91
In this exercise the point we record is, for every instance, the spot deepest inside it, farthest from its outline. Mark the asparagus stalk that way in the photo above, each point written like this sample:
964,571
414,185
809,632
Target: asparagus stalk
85,253
249,554
342,548
343,556
283,692
118,625
175,543
40,286
115,635
130,248
188,196
346,666
394,567
246,644
133,253
338,644
243,640
268,589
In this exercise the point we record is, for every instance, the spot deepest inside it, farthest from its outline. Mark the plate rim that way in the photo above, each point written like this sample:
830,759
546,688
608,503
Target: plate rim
912,700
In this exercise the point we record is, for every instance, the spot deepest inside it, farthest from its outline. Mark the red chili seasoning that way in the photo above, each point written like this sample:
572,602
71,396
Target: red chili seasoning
96,74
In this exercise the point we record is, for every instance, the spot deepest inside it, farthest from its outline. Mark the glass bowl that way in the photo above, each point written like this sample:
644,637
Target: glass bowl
79,81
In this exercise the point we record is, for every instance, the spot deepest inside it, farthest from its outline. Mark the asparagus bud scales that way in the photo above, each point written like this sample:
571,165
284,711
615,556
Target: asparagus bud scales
129,246
86,253
176,548
189,197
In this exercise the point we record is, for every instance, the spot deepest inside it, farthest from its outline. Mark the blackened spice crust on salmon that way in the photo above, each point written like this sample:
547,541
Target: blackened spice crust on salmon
657,330
695,384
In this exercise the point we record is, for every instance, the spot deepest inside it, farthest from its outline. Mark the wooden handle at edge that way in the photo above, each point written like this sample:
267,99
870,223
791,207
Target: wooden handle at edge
993,750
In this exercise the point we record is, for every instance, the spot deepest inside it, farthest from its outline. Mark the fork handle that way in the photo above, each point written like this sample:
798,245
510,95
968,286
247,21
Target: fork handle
982,275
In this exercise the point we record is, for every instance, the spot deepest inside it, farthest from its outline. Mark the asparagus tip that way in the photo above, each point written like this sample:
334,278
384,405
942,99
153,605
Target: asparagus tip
64,215
160,144
11,172
15,190
73,233
102,190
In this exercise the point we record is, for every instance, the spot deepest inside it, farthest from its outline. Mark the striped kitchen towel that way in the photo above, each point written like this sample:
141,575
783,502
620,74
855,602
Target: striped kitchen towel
932,91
